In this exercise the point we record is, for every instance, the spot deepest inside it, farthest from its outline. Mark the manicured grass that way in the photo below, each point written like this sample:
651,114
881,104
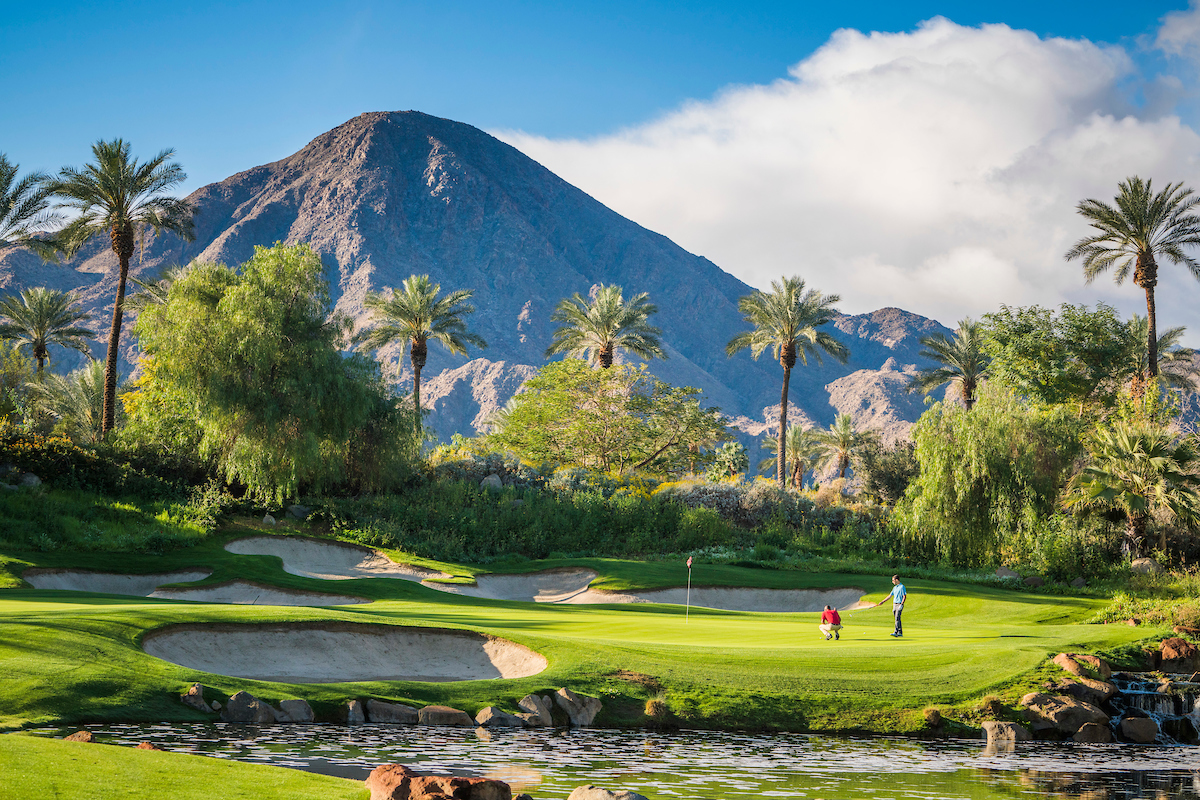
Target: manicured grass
75,657
42,769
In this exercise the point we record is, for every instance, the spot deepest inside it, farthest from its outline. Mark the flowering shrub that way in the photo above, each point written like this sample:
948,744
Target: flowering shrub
65,465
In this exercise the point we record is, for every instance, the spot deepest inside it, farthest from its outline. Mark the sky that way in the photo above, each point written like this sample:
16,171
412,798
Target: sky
913,154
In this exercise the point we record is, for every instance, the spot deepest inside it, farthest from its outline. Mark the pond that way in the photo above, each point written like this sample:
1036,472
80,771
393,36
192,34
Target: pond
697,764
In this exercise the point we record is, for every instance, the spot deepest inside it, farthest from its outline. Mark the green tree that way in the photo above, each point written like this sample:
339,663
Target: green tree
75,400
118,197
254,357
1140,469
788,320
840,442
963,361
39,317
730,461
886,472
1075,357
16,371
1140,228
24,209
596,329
415,314
1177,364
803,454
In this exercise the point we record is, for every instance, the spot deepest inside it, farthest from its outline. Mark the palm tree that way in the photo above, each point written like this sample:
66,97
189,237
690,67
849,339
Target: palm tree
119,197
413,316
787,320
24,209
76,400
596,329
840,441
803,452
155,292
962,359
1141,228
1140,469
1177,364
39,317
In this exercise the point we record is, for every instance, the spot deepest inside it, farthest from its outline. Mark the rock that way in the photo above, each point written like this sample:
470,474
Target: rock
1034,581
354,713
1068,663
8,487
996,732
1176,649
1133,622
297,711
1078,583
297,511
1093,733
1141,730
194,698
1097,664
398,782
540,710
1090,690
80,736
491,482
148,746
391,713
268,520
30,481
492,717
247,709
444,715
933,718
581,710
590,792
1007,574
216,706
1145,566
1064,714
523,796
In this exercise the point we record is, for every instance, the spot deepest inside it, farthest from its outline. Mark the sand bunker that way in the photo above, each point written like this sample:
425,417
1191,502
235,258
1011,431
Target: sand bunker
253,594
549,586
107,582
328,561
338,652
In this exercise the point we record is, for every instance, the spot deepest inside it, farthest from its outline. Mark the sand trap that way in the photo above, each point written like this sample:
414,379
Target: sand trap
253,594
334,653
328,561
549,586
107,582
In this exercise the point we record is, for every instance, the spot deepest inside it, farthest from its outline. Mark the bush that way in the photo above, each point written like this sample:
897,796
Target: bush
65,465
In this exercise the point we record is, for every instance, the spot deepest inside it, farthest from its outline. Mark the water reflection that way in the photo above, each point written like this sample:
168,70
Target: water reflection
694,764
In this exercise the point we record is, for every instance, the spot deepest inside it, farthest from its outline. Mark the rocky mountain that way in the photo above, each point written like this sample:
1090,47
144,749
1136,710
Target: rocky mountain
387,195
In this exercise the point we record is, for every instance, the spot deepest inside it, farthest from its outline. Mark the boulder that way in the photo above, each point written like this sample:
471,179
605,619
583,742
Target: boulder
1141,730
1133,622
539,710
1007,574
933,718
194,698
492,717
1089,690
1068,663
354,713
1176,649
1034,581
398,782
30,481
491,482
1063,714
216,706
268,520
296,711
1078,583
391,713
1145,566
444,715
996,732
247,709
80,736
147,746
297,511
1095,663
1093,733
590,792
580,709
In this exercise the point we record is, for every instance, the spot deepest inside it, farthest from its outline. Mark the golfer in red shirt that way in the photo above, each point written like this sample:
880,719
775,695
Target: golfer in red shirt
831,623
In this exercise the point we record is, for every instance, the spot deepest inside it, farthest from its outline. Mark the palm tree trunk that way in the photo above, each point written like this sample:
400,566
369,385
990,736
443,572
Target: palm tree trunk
605,356
1145,275
417,355
843,464
1152,354
1135,535
781,465
968,394
122,245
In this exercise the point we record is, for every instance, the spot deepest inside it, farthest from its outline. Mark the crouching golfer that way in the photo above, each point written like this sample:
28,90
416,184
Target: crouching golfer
897,597
831,623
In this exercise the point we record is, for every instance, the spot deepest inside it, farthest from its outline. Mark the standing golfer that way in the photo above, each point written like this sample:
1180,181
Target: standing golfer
898,594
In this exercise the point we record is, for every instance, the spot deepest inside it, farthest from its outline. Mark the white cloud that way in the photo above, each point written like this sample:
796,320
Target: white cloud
936,170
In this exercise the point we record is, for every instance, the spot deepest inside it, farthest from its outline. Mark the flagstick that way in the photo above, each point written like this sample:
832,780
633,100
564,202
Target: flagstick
687,609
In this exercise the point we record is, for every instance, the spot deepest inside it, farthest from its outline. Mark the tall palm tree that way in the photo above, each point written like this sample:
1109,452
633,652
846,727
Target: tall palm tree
24,209
76,400
962,359
1177,364
839,442
1140,469
803,452
415,314
1141,228
596,329
118,197
39,317
787,320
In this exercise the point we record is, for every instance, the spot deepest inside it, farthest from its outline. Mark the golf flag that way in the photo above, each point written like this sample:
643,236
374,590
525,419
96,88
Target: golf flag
689,562
687,609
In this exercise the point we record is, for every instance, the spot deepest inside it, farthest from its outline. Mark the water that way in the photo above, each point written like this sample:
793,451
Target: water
696,764
1177,711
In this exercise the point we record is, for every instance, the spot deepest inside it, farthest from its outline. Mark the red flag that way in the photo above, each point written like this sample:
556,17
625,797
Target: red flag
689,562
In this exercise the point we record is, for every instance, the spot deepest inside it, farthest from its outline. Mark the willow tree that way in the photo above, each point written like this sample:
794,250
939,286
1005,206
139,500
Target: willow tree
962,360
596,329
788,321
413,315
118,197
38,317
1133,233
